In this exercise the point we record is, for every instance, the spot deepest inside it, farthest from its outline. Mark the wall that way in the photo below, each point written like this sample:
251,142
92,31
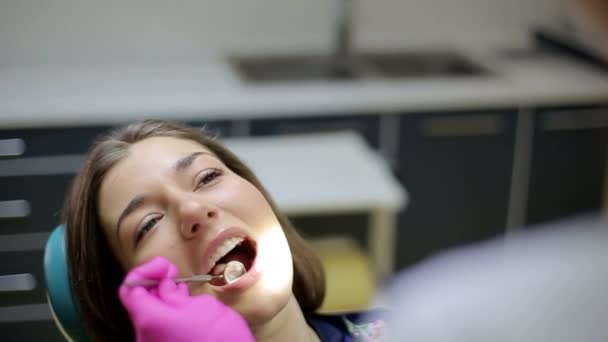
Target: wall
80,31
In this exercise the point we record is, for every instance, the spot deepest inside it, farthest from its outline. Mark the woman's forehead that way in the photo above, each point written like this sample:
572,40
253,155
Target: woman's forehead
152,157
151,148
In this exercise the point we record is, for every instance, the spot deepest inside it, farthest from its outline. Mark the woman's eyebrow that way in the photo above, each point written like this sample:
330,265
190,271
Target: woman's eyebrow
186,161
133,205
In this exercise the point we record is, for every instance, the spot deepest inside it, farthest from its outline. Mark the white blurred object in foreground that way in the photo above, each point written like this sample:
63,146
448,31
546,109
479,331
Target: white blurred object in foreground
545,285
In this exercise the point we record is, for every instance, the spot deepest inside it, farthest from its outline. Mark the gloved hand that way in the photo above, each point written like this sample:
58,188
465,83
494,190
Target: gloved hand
167,312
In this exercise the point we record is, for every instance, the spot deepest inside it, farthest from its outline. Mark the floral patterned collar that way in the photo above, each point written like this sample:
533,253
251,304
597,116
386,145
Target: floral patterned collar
367,332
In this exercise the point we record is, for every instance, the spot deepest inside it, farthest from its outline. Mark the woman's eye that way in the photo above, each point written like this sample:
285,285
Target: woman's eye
146,227
209,176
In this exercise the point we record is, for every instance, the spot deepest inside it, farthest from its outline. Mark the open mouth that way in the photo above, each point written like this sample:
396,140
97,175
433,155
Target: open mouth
243,252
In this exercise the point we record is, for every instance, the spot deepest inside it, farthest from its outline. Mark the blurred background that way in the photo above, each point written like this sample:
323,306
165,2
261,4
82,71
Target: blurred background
388,130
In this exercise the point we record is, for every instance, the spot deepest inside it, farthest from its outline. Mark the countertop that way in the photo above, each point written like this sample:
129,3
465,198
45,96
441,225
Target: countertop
82,95
321,173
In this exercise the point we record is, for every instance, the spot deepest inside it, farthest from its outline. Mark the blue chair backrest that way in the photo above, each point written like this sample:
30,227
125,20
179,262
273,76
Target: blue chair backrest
59,288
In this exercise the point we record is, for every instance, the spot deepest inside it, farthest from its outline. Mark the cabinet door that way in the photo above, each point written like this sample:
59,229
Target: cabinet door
366,125
568,166
457,169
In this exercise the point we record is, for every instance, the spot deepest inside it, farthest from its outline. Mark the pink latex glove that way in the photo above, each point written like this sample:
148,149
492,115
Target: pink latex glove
168,313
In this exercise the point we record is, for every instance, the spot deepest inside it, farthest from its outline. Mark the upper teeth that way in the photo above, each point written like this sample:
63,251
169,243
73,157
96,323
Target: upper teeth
225,248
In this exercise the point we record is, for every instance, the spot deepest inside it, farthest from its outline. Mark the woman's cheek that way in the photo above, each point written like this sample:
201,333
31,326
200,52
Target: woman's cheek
158,245
246,202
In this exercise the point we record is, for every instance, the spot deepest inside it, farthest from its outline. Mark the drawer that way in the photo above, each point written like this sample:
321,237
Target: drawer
40,330
41,201
48,141
21,262
367,125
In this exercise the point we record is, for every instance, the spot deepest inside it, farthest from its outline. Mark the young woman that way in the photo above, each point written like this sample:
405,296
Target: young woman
156,200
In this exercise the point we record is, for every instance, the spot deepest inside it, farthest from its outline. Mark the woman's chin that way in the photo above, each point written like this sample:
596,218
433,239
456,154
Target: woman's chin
259,311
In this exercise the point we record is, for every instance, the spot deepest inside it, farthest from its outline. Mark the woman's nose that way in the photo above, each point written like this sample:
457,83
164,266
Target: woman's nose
195,217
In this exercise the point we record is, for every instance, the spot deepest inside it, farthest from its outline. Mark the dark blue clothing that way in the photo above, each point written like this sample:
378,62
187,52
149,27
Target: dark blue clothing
344,327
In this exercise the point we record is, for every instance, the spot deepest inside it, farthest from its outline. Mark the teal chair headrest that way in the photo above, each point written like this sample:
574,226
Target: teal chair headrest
59,288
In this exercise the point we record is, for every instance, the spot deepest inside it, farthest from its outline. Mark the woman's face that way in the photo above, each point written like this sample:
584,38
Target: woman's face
173,198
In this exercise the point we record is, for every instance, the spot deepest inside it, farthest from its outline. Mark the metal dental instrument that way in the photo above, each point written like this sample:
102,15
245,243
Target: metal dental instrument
195,278
233,271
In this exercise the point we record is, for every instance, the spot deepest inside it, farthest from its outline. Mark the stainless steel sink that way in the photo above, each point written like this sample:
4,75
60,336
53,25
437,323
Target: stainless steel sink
428,64
343,63
379,65
295,68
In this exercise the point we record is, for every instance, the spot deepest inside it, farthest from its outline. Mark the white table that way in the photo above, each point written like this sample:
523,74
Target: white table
330,173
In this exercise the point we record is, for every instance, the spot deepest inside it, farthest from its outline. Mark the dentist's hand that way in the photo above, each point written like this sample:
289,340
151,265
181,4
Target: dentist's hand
168,313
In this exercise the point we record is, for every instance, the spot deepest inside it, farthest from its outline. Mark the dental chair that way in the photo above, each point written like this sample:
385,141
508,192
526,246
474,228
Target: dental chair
59,290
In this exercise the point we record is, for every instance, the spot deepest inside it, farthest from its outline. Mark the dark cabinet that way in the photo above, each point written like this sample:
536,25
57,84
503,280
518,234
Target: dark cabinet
568,167
36,169
366,125
457,169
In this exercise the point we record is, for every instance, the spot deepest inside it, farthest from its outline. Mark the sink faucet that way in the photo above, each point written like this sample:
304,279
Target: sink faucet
342,48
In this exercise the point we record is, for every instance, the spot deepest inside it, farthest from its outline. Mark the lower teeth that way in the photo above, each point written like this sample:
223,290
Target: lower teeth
234,270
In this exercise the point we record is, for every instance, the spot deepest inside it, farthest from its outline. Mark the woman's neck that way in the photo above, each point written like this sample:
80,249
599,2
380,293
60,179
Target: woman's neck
288,325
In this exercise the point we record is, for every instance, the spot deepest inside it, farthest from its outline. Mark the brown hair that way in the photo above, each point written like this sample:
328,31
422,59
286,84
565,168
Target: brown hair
96,273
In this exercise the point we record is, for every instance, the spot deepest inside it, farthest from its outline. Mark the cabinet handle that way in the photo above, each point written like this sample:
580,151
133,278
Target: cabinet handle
23,242
14,209
462,126
12,147
17,282
575,120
